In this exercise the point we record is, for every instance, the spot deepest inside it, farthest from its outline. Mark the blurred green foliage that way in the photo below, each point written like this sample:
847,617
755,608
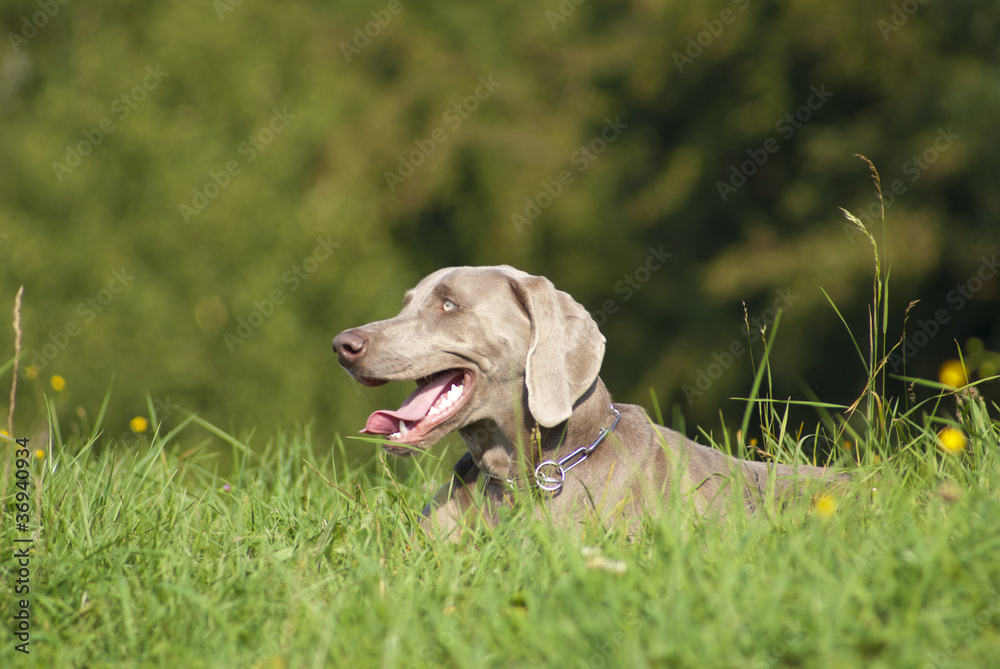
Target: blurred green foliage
264,175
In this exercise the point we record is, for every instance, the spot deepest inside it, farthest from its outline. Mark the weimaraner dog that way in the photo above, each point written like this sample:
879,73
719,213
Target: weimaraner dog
512,363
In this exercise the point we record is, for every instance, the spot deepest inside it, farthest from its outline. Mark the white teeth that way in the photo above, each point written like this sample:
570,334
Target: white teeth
446,401
443,403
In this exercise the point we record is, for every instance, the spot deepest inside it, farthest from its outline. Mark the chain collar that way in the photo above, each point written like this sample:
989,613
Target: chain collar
551,475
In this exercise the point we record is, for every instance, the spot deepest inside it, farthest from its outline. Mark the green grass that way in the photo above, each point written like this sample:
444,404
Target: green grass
145,556
144,559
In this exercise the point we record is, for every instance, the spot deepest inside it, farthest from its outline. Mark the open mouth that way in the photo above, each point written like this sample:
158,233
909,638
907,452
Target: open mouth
437,398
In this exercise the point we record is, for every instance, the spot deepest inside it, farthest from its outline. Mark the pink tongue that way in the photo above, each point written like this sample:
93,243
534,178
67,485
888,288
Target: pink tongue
414,408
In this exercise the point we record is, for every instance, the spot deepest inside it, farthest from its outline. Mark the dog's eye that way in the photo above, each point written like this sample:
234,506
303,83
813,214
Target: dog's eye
448,305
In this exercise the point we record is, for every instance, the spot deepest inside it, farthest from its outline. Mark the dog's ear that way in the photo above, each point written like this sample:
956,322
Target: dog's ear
564,353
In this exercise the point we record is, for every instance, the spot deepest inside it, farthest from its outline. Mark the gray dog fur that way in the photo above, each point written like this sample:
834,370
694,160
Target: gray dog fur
531,356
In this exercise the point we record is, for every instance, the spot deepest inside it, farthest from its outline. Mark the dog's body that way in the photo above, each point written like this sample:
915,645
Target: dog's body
512,364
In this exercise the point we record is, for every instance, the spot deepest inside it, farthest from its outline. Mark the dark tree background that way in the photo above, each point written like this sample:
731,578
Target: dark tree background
198,195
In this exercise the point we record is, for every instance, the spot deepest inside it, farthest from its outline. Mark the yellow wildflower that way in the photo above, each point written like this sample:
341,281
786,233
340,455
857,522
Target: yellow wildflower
825,505
951,440
40,454
138,424
58,383
952,373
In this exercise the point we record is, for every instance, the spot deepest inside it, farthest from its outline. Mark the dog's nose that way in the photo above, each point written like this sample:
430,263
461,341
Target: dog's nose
350,345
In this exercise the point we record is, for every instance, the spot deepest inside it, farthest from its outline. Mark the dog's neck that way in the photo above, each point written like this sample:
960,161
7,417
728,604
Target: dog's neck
512,448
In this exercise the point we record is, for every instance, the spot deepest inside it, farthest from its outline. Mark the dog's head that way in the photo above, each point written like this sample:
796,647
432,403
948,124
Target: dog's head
475,340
